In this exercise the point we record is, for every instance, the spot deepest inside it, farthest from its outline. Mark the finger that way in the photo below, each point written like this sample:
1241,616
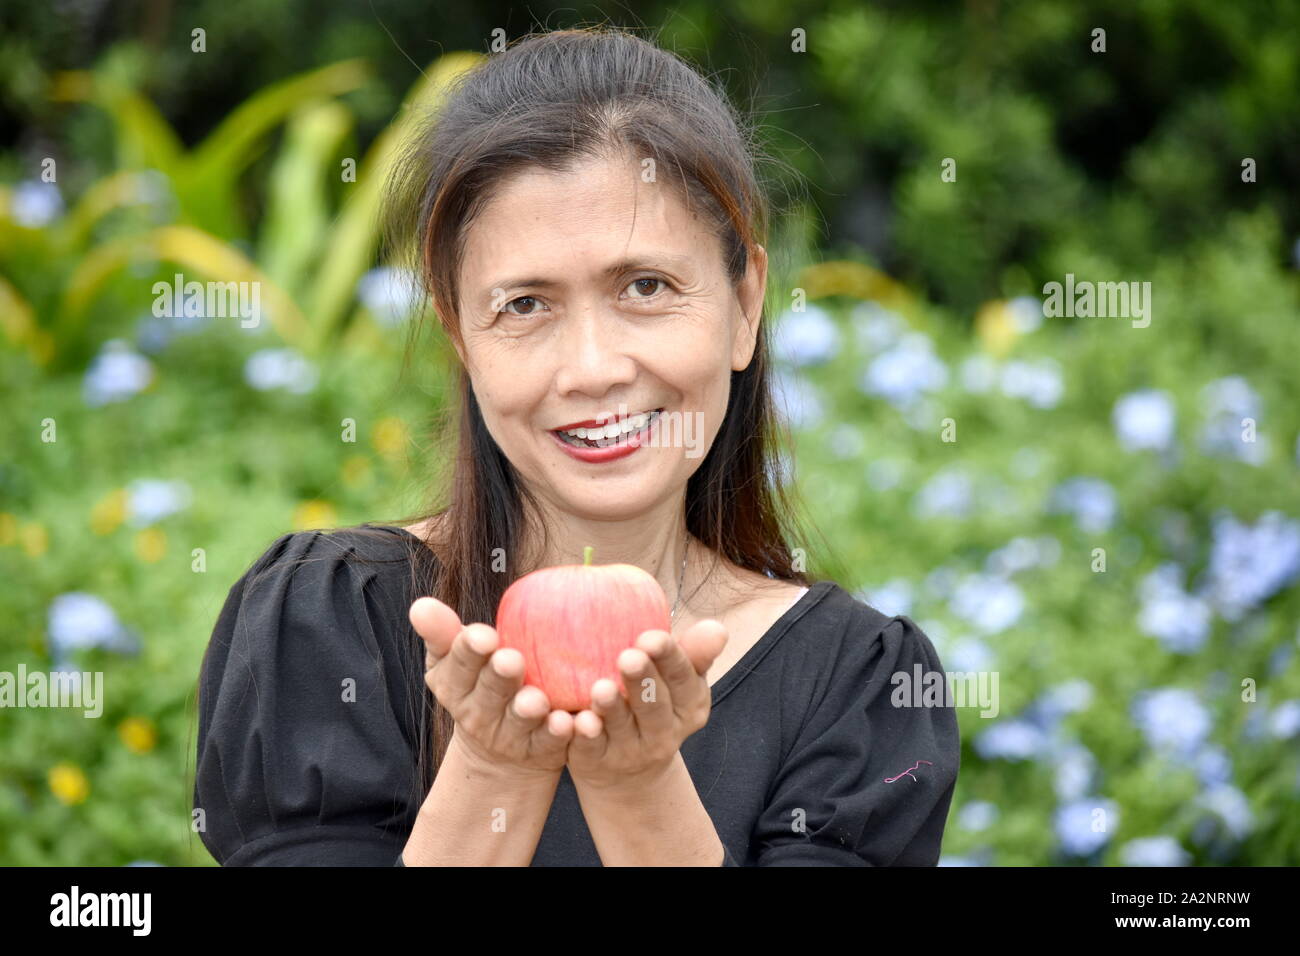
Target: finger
554,734
560,724
457,673
526,711
703,642
436,623
500,680
649,694
589,739
670,660
608,703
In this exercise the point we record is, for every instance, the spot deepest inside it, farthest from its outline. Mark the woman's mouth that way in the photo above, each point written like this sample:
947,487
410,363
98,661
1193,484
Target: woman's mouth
607,436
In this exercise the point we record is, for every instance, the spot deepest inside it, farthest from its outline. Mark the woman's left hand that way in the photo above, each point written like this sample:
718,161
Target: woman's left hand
630,738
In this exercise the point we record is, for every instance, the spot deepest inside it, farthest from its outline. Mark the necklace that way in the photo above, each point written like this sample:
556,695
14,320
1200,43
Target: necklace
681,578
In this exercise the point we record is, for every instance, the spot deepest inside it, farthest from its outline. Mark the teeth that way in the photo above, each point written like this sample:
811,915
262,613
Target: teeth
604,436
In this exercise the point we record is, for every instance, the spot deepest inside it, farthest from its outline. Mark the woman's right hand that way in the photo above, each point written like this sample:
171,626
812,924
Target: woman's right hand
500,723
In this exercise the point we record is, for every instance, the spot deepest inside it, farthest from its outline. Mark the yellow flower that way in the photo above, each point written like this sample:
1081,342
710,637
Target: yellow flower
35,539
390,437
314,514
109,512
8,528
139,734
996,327
150,544
355,470
855,279
69,784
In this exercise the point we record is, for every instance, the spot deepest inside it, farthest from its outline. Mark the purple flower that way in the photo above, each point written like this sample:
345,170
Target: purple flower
1280,659
1284,722
978,815
78,620
1154,851
1026,313
1144,419
940,582
1039,383
1173,721
1015,739
150,500
1084,825
892,598
809,337
949,494
283,368
1091,501
797,399
989,604
875,327
969,655
1230,809
389,294
1227,401
1213,766
1248,565
905,371
1076,769
1256,725
1021,554
34,203
117,373
1059,701
153,334
1178,620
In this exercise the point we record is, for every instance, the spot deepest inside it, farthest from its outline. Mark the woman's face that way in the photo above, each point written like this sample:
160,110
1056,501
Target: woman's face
593,295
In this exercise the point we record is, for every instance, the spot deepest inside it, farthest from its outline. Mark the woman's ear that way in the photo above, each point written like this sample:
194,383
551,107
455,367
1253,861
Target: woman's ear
744,333
458,342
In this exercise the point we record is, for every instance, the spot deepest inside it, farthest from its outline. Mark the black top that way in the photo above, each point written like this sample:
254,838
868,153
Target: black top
293,769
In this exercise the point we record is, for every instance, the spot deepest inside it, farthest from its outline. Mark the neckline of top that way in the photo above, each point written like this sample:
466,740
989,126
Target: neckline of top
810,597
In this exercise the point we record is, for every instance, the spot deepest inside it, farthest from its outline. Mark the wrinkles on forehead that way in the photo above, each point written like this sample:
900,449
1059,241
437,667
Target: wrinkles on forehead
548,230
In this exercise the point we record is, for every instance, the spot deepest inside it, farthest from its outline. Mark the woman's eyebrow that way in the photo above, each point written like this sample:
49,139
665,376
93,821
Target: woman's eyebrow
662,261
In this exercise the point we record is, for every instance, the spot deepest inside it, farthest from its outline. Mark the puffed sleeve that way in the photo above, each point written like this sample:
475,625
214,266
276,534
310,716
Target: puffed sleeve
867,783
303,759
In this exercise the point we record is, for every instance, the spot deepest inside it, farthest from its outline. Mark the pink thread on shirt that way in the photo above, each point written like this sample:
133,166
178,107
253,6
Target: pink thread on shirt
908,771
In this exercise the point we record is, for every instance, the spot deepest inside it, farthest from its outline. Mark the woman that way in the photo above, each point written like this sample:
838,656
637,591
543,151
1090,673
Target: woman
586,218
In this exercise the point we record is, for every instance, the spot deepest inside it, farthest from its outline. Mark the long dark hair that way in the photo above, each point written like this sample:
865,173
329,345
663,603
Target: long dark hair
547,101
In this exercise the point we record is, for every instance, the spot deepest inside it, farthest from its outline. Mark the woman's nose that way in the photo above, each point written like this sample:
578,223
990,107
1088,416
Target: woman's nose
593,354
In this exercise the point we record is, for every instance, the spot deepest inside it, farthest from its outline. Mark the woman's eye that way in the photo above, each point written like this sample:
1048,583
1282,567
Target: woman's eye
523,298
638,285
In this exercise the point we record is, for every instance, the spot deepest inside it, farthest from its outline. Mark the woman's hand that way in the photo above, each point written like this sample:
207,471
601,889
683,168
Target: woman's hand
632,737
499,722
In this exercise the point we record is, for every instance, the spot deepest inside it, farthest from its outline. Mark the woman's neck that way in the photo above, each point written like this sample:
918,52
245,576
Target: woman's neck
657,543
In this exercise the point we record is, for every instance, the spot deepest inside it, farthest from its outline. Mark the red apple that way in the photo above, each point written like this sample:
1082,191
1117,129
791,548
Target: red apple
571,623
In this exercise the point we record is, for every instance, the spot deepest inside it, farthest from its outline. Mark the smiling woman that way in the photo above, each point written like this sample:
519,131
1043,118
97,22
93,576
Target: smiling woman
587,220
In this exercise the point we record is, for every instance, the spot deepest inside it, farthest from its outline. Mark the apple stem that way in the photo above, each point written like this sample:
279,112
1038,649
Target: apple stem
586,554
